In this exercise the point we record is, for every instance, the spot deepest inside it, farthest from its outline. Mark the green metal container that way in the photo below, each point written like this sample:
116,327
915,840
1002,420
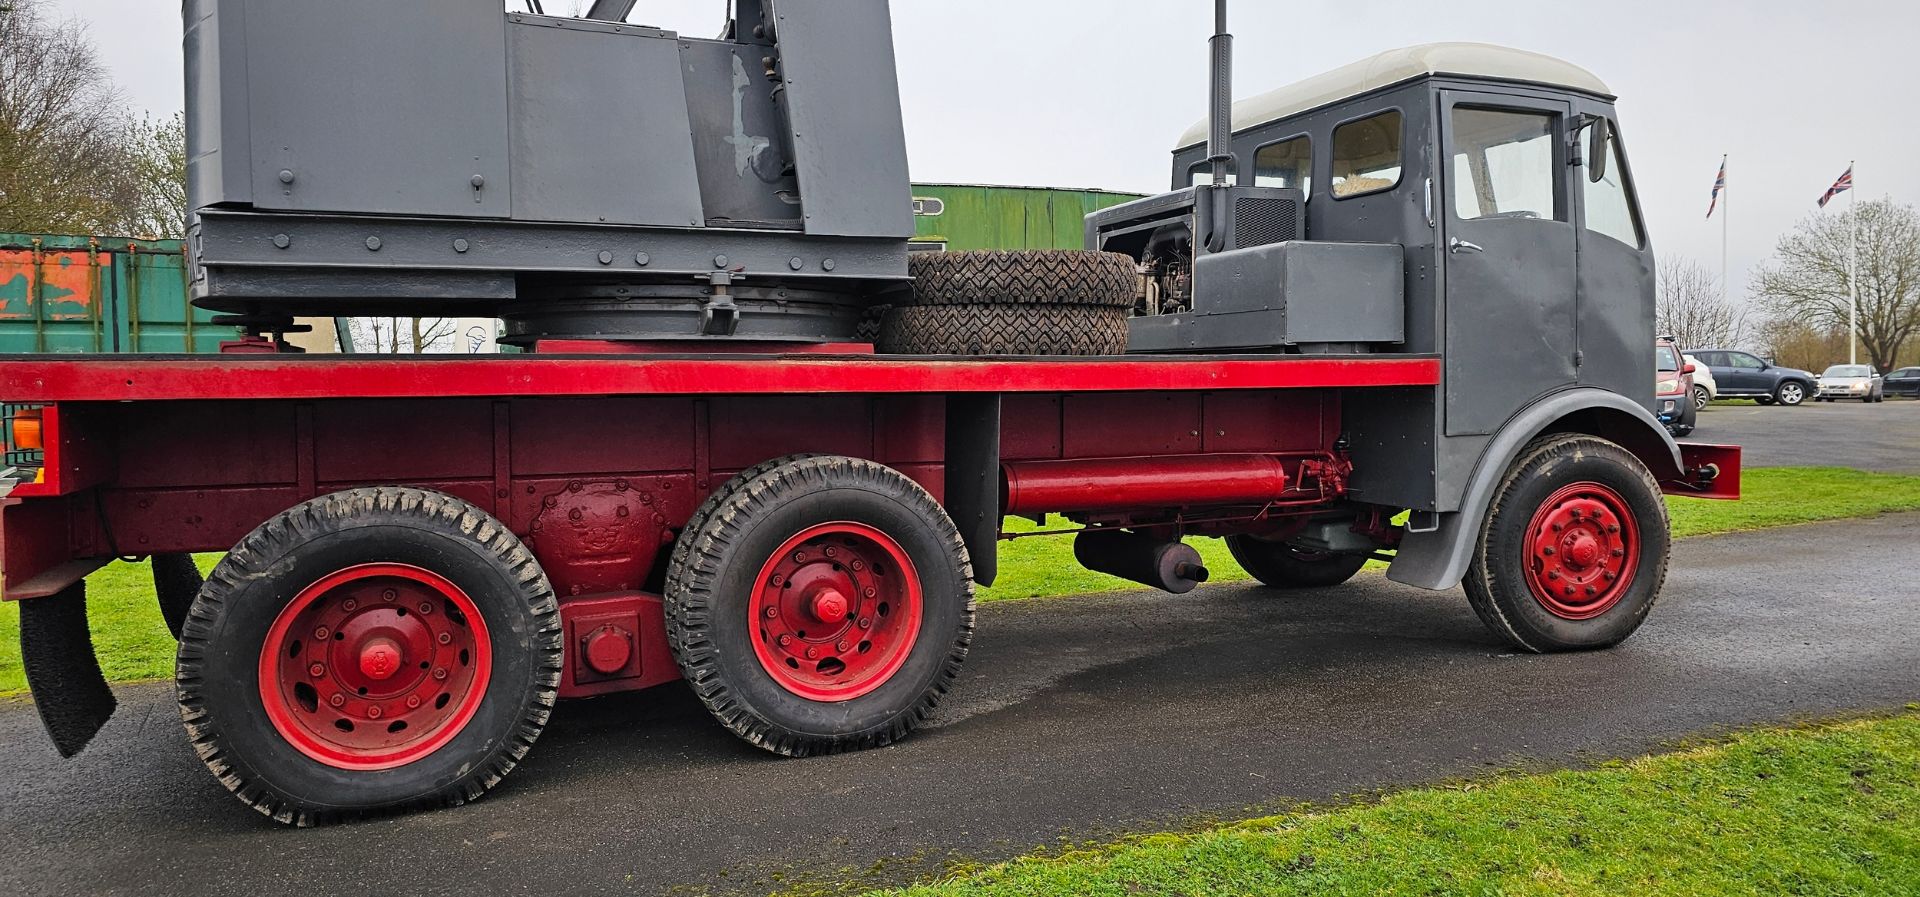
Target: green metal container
965,216
88,295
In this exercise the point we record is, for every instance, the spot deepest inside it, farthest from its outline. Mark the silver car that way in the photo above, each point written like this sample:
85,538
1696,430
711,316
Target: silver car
1851,381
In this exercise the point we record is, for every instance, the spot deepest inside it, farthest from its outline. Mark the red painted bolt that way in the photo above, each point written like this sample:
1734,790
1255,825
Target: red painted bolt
337,700
777,579
799,557
1612,575
317,670
832,552
426,608
843,646
446,638
1619,553
349,604
1559,526
786,640
389,595
322,632
773,613
413,702
1569,590
373,712
813,653
866,624
1592,591
870,591
857,565
1548,552
1553,574
440,672
1613,527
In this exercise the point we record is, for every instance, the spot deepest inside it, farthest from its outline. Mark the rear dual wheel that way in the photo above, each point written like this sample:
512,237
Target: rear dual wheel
1573,552
371,650
820,604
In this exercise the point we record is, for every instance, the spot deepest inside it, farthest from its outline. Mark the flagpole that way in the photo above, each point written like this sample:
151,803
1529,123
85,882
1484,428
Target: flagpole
1853,268
1727,196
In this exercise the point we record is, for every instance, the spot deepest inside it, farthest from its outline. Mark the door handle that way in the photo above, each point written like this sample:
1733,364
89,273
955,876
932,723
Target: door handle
1457,245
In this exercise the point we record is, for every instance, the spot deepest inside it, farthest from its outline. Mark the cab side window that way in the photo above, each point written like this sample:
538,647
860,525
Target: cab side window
1607,208
1366,155
1288,163
1503,165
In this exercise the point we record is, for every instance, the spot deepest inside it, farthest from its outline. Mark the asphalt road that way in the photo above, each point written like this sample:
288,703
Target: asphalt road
1884,437
1077,718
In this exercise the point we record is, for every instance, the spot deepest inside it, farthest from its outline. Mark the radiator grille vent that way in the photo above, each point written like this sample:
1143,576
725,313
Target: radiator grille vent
1262,222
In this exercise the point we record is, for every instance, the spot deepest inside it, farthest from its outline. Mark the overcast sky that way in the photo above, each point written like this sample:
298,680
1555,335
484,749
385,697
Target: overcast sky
1093,93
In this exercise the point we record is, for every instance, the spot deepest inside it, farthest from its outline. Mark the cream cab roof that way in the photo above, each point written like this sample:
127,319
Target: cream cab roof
1396,66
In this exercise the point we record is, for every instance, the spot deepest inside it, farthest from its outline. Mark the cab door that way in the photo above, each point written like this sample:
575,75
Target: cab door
1509,244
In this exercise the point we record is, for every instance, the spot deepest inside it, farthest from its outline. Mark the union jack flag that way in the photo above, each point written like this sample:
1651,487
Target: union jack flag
1840,186
1719,184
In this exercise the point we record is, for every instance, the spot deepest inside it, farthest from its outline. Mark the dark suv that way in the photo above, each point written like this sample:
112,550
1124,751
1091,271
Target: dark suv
1742,375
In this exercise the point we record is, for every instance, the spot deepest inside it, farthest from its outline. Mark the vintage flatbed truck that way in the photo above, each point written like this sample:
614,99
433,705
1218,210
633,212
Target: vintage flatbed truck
1417,326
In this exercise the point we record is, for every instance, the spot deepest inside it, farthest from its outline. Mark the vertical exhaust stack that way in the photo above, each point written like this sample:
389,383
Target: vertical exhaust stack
1220,135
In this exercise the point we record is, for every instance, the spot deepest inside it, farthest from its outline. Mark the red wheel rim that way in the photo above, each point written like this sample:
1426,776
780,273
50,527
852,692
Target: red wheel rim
1582,549
375,666
835,611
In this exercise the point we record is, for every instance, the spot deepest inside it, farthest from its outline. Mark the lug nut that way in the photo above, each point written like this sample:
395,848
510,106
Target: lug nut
413,702
349,604
832,552
1592,591
777,579
337,700
1619,553
799,557
869,591
843,646
389,595
786,640
773,613
1553,574
373,712
866,624
317,670
446,638
1548,552
857,565
1569,590
439,672
425,608
321,633
813,653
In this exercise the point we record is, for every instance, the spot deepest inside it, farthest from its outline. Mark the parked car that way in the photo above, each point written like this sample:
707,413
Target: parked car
1743,375
1851,381
1673,388
1705,390
1903,382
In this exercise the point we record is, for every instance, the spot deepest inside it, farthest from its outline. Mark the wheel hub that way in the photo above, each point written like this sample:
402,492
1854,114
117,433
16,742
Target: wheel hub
1583,547
836,611
375,666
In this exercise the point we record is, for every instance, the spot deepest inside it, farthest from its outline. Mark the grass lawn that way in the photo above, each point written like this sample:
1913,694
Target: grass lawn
1827,810
133,643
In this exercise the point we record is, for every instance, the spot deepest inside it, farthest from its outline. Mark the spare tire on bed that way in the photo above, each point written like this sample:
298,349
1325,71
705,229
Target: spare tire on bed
1027,302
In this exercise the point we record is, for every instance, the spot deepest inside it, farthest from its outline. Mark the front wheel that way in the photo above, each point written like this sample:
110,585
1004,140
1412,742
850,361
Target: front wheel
1790,394
821,604
1573,552
370,650
1281,566
1701,398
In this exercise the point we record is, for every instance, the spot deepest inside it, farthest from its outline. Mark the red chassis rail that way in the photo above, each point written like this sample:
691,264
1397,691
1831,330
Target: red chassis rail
598,461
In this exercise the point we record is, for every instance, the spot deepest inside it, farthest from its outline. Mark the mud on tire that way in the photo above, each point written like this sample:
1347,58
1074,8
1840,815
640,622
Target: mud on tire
972,330
1027,277
723,607
273,752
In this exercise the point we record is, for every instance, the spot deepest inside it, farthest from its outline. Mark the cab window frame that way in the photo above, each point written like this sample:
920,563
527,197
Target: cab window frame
1333,152
1617,162
1450,152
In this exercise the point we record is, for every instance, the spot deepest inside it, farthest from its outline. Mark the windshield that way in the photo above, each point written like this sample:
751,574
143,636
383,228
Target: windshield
1840,371
1666,358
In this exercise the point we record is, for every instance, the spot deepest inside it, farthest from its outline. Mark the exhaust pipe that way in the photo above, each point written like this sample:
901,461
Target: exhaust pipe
1220,132
1136,557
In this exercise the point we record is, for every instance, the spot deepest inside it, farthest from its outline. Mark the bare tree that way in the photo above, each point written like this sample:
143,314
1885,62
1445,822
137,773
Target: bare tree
403,336
1806,281
1691,307
63,130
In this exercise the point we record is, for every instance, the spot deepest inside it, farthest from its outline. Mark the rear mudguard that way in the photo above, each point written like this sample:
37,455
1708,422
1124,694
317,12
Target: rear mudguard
57,651
1437,559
